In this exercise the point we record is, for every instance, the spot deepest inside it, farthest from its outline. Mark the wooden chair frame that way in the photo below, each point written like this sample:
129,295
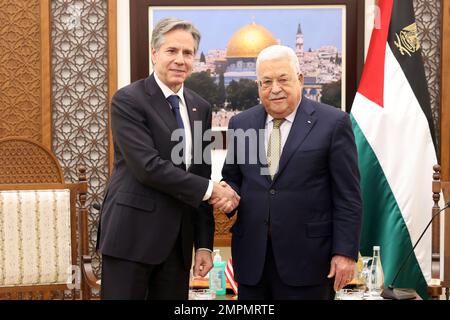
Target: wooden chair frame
76,189
438,187
11,179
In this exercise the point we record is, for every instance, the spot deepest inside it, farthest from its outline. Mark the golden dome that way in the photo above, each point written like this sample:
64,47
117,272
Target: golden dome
248,41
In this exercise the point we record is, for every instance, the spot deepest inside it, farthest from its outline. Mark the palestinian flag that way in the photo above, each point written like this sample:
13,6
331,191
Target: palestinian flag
392,122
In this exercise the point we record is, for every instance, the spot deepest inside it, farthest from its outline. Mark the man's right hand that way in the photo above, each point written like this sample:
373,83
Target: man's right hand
224,198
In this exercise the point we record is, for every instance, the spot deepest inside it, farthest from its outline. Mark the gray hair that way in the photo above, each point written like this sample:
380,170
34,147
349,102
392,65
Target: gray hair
277,52
169,24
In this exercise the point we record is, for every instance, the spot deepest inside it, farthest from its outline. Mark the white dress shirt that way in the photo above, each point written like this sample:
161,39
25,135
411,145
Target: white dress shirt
285,128
184,117
187,127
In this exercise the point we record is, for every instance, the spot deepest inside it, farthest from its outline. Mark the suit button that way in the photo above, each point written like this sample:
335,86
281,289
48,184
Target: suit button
273,192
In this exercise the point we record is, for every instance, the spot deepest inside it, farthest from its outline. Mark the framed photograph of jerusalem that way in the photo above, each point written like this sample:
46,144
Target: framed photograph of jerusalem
323,34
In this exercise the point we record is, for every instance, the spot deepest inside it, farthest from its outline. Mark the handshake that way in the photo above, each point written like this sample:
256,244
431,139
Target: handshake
224,198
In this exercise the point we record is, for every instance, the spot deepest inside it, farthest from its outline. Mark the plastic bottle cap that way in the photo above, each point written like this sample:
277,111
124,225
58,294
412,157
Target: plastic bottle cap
376,247
217,256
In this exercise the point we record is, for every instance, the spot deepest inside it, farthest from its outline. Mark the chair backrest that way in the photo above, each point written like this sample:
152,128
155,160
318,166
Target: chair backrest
441,187
39,254
26,161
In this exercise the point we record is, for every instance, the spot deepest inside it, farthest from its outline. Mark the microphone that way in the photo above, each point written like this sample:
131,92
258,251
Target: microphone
96,206
407,293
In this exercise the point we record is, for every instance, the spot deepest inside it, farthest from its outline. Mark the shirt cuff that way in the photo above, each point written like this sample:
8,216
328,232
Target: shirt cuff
208,191
204,249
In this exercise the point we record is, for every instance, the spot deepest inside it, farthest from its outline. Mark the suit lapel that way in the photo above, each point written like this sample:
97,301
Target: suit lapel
303,123
195,114
259,123
194,111
160,104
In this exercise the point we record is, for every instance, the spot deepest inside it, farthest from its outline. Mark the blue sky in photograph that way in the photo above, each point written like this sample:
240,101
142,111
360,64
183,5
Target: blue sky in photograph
320,26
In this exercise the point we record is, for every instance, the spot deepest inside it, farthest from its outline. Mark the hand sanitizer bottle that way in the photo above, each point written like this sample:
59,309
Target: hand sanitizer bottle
217,280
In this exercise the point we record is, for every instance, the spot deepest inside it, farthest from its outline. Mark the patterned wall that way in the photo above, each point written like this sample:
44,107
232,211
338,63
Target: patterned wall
428,16
20,71
80,96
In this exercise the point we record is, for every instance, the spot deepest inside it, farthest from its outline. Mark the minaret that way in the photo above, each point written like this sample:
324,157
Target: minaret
299,43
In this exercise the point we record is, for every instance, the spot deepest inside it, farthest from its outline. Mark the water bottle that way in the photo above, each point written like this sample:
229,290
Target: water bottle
217,280
376,276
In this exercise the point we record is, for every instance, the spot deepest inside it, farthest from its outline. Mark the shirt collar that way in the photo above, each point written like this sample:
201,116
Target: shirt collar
289,118
167,91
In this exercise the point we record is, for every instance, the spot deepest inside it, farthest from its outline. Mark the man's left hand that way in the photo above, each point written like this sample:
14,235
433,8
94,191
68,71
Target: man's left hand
343,269
202,263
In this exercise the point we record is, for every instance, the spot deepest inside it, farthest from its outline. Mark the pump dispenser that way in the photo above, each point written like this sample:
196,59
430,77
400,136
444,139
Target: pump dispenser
217,280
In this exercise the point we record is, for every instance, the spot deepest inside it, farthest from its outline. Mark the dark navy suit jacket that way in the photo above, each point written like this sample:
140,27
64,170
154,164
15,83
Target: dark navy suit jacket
314,201
149,198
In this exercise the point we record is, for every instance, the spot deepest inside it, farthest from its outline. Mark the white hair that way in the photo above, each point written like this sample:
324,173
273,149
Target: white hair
277,52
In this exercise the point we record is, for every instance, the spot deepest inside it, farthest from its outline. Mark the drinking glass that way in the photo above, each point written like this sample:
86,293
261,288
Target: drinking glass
365,274
350,294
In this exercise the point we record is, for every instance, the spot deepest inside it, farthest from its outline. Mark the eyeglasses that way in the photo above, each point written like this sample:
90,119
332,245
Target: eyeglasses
268,83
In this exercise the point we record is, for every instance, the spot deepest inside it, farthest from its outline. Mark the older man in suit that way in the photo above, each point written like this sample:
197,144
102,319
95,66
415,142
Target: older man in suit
155,206
298,222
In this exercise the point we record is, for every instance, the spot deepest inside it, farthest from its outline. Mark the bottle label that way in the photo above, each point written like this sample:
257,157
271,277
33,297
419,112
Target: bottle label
217,281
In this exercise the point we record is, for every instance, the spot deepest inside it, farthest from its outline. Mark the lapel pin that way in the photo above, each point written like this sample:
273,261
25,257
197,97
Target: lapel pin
194,109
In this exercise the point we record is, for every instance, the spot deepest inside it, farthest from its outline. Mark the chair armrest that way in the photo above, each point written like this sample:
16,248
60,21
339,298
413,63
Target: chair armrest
88,273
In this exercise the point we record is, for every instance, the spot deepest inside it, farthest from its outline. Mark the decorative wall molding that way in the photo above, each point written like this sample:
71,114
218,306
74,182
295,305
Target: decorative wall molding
113,68
24,72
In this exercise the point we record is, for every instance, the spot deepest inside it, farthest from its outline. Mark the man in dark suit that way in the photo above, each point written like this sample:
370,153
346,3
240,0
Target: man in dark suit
299,218
154,209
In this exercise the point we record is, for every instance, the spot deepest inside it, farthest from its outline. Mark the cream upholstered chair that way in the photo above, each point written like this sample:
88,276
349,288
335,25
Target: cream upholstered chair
39,253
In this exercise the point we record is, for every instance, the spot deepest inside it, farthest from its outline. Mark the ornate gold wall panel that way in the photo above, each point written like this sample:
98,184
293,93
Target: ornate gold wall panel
24,103
80,95
428,16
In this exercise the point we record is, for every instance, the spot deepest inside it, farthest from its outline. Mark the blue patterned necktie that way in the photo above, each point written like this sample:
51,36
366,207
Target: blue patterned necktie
174,101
